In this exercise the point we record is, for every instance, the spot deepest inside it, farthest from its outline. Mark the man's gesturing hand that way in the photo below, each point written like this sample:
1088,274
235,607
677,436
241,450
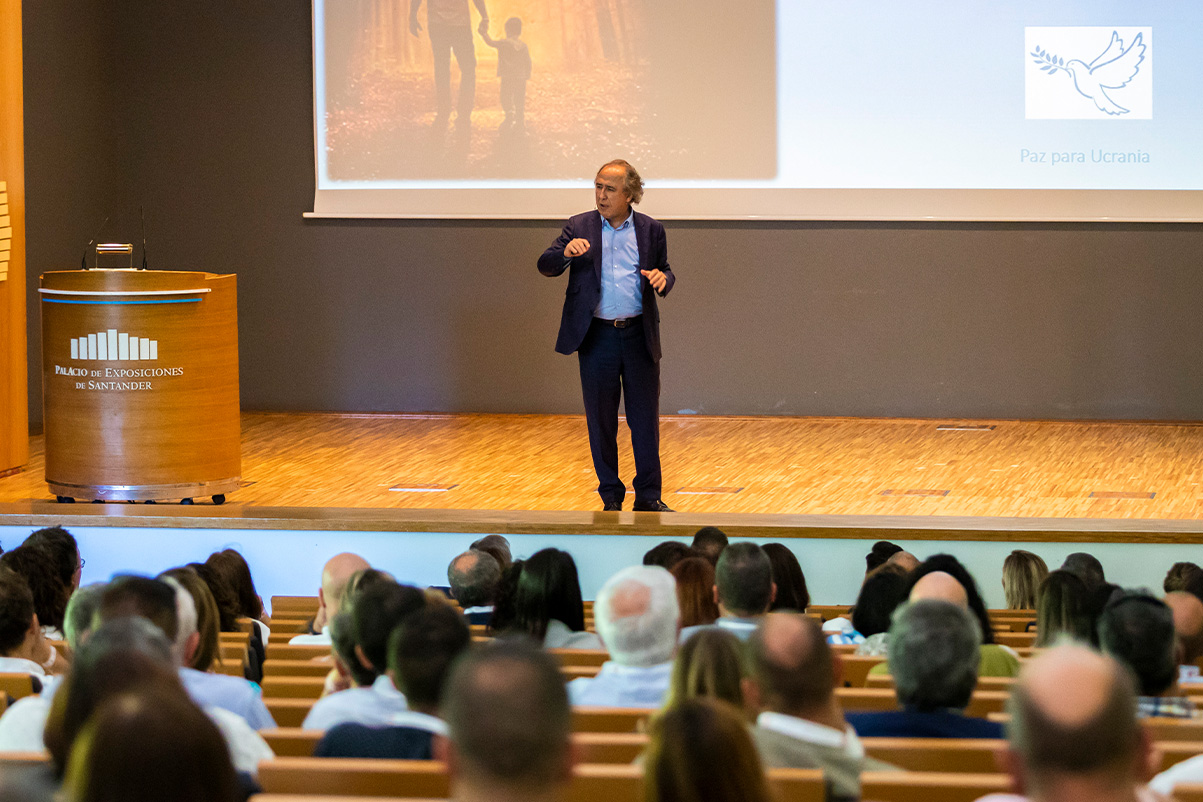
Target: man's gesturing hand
576,247
656,278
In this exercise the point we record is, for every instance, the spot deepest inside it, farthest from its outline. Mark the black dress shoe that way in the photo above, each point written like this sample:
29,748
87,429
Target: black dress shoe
651,506
612,506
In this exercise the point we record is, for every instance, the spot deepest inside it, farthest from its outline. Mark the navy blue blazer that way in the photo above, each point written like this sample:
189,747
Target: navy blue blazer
584,277
914,724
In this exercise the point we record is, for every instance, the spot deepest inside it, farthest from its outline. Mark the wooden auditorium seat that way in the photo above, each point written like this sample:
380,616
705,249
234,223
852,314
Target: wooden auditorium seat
961,755
580,657
983,683
857,667
592,747
1188,792
981,705
16,684
923,786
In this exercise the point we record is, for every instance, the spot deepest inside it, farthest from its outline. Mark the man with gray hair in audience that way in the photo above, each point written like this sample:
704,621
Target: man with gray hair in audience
474,577
933,657
1073,732
510,726
638,618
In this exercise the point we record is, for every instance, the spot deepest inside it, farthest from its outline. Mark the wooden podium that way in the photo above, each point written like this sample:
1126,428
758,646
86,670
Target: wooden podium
140,384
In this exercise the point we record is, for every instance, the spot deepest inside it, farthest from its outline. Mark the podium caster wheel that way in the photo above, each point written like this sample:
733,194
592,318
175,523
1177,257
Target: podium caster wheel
98,501
150,501
64,499
219,499
186,501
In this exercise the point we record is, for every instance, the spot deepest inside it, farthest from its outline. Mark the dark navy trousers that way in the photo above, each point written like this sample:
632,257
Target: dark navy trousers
615,363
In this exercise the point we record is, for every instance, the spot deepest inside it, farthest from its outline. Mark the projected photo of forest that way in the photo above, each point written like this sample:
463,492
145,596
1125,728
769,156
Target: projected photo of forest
557,88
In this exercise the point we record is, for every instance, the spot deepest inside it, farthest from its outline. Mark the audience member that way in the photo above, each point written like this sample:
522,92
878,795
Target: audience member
548,605
881,551
744,589
709,541
905,560
638,619
337,571
1087,568
505,611
700,749
667,554
421,652
794,674
996,661
474,577
361,637
50,593
124,654
1022,574
1063,610
933,657
235,573
510,726
1188,626
223,596
883,590
22,723
695,591
1180,576
1073,732
23,647
709,664
63,548
169,607
1138,631
149,745
791,582
498,547
208,648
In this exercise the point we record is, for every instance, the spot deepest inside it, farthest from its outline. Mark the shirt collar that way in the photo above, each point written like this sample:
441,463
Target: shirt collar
418,721
618,669
811,732
484,608
606,223
384,686
19,665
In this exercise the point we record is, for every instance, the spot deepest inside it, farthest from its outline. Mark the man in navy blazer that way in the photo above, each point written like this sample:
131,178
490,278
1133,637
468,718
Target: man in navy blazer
617,263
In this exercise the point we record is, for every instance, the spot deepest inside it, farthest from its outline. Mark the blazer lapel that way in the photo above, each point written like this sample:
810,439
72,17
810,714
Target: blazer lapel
595,245
640,224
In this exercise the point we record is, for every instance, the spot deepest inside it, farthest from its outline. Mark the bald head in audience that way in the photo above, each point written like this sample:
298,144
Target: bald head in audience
941,587
335,574
510,726
905,560
1073,731
1188,624
793,670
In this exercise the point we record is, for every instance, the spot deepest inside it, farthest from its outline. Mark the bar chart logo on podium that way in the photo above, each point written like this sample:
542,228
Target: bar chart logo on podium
114,346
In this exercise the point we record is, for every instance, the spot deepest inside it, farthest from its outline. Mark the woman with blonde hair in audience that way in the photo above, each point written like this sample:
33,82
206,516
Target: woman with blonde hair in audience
150,744
1022,574
695,591
701,750
1063,610
710,664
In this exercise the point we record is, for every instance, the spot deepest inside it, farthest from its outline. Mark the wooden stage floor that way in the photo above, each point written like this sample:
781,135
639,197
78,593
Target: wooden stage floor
712,465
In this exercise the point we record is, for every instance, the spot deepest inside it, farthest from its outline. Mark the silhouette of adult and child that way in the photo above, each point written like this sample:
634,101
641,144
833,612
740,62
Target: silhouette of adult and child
449,25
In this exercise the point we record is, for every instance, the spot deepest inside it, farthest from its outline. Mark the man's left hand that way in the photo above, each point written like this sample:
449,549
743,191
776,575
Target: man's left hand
656,278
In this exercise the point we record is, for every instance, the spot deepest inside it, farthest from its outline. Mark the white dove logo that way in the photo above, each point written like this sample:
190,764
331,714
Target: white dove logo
1113,69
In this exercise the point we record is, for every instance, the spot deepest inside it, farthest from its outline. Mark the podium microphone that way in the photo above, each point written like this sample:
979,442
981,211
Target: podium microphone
142,211
83,260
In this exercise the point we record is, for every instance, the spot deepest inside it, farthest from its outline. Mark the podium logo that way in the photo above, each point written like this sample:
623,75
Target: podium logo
114,346
1088,73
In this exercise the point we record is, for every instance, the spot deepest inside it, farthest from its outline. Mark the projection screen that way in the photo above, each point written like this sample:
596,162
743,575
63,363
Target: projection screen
1026,110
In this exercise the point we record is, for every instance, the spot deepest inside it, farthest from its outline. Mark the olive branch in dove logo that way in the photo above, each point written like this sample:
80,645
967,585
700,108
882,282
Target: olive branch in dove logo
1114,68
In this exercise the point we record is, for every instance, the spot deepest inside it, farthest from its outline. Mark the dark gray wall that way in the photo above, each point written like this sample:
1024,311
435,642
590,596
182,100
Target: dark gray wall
203,113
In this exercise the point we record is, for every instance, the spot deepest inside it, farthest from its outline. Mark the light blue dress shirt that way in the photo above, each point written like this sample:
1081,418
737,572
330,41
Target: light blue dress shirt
374,706
621,282
623,686
229,693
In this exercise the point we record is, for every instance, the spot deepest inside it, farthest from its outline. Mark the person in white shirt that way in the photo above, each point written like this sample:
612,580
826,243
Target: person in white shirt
23,647
638,618
361,633
1074,734
336,573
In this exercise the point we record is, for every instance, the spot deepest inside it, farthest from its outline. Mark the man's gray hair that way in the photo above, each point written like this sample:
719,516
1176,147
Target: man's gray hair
476,584
77,621
642,631
185,617
633,182
934,655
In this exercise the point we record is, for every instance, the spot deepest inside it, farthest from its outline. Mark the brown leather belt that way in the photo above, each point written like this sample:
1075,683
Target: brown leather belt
622,322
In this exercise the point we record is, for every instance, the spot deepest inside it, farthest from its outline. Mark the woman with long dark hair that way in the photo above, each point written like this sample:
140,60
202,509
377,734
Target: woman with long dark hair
548,605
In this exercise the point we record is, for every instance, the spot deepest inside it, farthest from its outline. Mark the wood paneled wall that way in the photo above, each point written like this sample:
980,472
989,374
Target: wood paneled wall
14,421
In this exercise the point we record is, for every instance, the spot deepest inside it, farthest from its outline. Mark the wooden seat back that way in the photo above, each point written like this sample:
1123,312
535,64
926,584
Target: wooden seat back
857,667
1188,792
983,683
923,786
961,755
580,657
981,704
287,651
16,684
609,719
